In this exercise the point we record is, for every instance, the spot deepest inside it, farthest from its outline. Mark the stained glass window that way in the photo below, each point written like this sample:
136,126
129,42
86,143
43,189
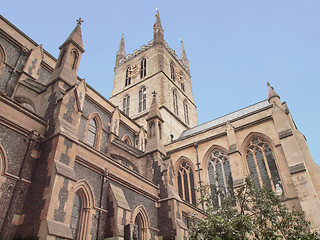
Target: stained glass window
92,132
219,175
75,216
186,183
262,165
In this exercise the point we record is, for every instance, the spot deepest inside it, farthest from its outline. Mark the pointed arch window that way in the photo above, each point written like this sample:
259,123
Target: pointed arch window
81,213
262,165
138,227
182,87
219,175
186,111
172,73
186,182
128,76
92,132
152,131
127,140
141,221
74,59
143,68
142,99
75,216
2,58
126,104
25,102
160,130
3,161
175,101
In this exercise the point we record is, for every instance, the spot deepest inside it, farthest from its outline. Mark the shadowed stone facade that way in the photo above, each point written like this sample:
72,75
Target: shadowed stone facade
74,165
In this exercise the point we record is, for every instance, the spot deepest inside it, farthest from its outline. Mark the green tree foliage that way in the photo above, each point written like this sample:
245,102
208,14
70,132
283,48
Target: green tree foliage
249,213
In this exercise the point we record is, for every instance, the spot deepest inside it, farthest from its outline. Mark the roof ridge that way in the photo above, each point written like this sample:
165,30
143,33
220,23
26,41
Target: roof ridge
185,132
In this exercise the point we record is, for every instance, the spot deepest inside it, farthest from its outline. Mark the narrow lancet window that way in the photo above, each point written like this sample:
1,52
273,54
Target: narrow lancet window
75,216
186,112
172,73
126,104
175,101
142,99
143,68
92,132
128,77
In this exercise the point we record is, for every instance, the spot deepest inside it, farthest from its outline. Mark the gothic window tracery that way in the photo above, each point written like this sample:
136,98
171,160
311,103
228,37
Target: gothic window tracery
81,213
262,165
175,101
143,68
219,175
126,104
141,230
186,112
142,99
185,181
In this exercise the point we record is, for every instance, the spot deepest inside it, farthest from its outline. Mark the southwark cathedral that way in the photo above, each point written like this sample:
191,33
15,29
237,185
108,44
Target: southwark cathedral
75,165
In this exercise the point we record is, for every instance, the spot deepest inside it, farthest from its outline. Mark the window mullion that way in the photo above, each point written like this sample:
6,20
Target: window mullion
268,169
257,166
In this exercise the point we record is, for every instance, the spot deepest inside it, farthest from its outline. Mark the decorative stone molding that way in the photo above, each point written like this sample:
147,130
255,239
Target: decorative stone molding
232,148
238,182
65,171
59,229
300,167
181,224
285,133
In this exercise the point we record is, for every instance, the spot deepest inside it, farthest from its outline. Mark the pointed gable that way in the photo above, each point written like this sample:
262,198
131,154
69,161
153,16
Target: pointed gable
75,37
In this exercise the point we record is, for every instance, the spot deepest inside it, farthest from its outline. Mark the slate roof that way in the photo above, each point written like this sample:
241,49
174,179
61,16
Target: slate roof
257,107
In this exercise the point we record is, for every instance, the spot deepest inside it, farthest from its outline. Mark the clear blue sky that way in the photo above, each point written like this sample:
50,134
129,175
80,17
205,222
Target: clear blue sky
234,47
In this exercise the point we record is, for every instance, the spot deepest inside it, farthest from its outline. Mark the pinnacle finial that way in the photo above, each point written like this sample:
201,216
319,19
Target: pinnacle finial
122,45
157,24
121,53
271,92
79,21
75,36
183,55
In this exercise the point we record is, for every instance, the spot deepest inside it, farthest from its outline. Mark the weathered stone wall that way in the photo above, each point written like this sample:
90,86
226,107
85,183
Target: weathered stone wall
15,61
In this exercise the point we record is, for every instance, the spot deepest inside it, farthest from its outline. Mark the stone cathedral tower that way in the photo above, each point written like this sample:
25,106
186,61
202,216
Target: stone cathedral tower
155,67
